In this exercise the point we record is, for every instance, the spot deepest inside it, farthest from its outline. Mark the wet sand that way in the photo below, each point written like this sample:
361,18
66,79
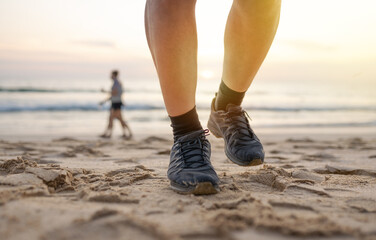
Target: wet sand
72,188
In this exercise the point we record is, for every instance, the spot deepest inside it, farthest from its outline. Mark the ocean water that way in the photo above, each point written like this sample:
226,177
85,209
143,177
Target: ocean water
70,106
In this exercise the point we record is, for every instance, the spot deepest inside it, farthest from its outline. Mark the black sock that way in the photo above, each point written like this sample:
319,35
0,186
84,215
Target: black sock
185,123
226,95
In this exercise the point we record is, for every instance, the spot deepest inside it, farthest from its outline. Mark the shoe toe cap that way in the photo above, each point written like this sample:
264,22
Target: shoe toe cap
248,154
193,178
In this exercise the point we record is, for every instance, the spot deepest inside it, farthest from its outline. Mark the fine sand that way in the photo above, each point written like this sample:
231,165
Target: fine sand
70,188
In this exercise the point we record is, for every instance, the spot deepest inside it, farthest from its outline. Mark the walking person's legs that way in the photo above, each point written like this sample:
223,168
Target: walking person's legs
108,132
250,30
171,33
124,125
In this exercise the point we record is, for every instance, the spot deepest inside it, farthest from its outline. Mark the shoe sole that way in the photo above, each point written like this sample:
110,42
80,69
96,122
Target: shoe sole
202,188
254,162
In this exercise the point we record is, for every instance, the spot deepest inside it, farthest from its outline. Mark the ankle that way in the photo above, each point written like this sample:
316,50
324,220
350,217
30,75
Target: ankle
185,123
227,96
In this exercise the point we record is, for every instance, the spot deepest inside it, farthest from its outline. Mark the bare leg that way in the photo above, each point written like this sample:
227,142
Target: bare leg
171,33
108,132
250,30
124,125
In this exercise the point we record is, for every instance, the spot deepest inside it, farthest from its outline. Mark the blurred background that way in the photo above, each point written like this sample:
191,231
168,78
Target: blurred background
55,56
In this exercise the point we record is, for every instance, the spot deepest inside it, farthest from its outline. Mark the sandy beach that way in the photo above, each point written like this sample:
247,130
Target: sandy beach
303,73
72,188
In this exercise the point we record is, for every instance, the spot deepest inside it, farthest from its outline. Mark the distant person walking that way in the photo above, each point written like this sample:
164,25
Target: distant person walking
115,111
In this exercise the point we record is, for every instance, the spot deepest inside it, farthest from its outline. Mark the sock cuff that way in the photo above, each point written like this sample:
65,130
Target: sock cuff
185,123
191,114
228,91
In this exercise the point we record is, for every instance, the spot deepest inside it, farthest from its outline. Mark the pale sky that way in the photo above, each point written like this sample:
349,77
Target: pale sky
317,39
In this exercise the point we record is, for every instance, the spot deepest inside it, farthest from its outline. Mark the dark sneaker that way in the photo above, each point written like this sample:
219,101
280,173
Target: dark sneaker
190,170
241,144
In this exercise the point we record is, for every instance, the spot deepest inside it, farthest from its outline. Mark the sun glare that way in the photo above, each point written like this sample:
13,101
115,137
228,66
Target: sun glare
206,74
